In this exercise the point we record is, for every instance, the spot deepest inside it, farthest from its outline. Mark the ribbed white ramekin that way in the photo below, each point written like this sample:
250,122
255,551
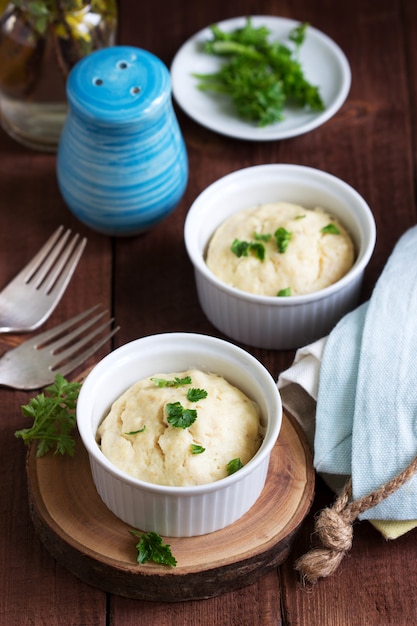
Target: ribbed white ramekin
271,322
177,511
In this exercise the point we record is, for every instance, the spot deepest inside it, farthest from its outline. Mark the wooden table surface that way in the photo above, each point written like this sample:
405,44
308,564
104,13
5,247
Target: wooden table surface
147,283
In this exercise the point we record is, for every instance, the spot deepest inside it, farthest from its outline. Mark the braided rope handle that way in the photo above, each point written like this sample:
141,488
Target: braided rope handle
334,527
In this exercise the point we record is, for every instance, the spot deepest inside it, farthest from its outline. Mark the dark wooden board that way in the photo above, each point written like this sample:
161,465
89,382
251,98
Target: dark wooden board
86,538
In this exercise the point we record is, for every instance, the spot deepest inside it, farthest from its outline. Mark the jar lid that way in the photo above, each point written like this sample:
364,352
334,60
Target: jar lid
118,84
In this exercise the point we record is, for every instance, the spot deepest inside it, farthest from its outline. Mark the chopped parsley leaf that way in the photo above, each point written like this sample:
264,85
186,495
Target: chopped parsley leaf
151,548
177,382
262,237
178,416
240,248
330,229
283,238
136,432
243,248
233,466
194,394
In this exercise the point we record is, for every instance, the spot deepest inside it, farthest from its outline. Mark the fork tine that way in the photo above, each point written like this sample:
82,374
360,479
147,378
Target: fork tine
30,269
59,341
47,260
55,263
34,363
64,269
29,299
77,339
80,358
49,335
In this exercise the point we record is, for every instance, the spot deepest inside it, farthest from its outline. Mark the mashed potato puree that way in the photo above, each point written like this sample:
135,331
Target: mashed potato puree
312,260
227,426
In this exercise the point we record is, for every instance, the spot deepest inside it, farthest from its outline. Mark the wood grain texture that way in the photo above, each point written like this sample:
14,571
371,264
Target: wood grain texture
86,538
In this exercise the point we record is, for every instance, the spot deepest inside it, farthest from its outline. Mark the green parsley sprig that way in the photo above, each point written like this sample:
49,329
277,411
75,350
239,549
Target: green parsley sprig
233,466
136,432
175,382
151,548
195,394
283,238
178,416
260,77
53,415
262,236
284,293
330,229
244,248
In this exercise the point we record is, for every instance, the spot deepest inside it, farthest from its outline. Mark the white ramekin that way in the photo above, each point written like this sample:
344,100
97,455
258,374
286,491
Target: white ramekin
264,321
177,511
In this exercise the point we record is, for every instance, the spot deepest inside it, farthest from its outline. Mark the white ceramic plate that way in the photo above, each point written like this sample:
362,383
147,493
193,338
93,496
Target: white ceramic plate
323,62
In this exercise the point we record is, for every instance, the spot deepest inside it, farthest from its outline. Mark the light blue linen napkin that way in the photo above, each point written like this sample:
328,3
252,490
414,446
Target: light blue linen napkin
366,416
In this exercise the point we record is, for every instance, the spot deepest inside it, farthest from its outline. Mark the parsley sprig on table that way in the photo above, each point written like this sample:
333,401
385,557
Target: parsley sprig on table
151,548
53,414
259,76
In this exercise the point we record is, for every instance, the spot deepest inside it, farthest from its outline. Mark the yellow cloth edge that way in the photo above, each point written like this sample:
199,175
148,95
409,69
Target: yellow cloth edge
392,529
389,529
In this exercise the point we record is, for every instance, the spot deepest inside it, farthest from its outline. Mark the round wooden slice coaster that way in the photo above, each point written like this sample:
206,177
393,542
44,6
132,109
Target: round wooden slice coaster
87,539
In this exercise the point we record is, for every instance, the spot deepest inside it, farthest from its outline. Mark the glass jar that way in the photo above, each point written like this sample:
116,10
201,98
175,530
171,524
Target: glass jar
40,41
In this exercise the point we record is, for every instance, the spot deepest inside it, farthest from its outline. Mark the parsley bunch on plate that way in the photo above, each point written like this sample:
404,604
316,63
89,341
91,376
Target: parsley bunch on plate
259,76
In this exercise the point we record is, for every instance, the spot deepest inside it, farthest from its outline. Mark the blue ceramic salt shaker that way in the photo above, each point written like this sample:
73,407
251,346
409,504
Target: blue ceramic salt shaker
122,164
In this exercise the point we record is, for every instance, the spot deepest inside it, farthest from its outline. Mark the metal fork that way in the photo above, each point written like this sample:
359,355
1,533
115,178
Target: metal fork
28,300
35,362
